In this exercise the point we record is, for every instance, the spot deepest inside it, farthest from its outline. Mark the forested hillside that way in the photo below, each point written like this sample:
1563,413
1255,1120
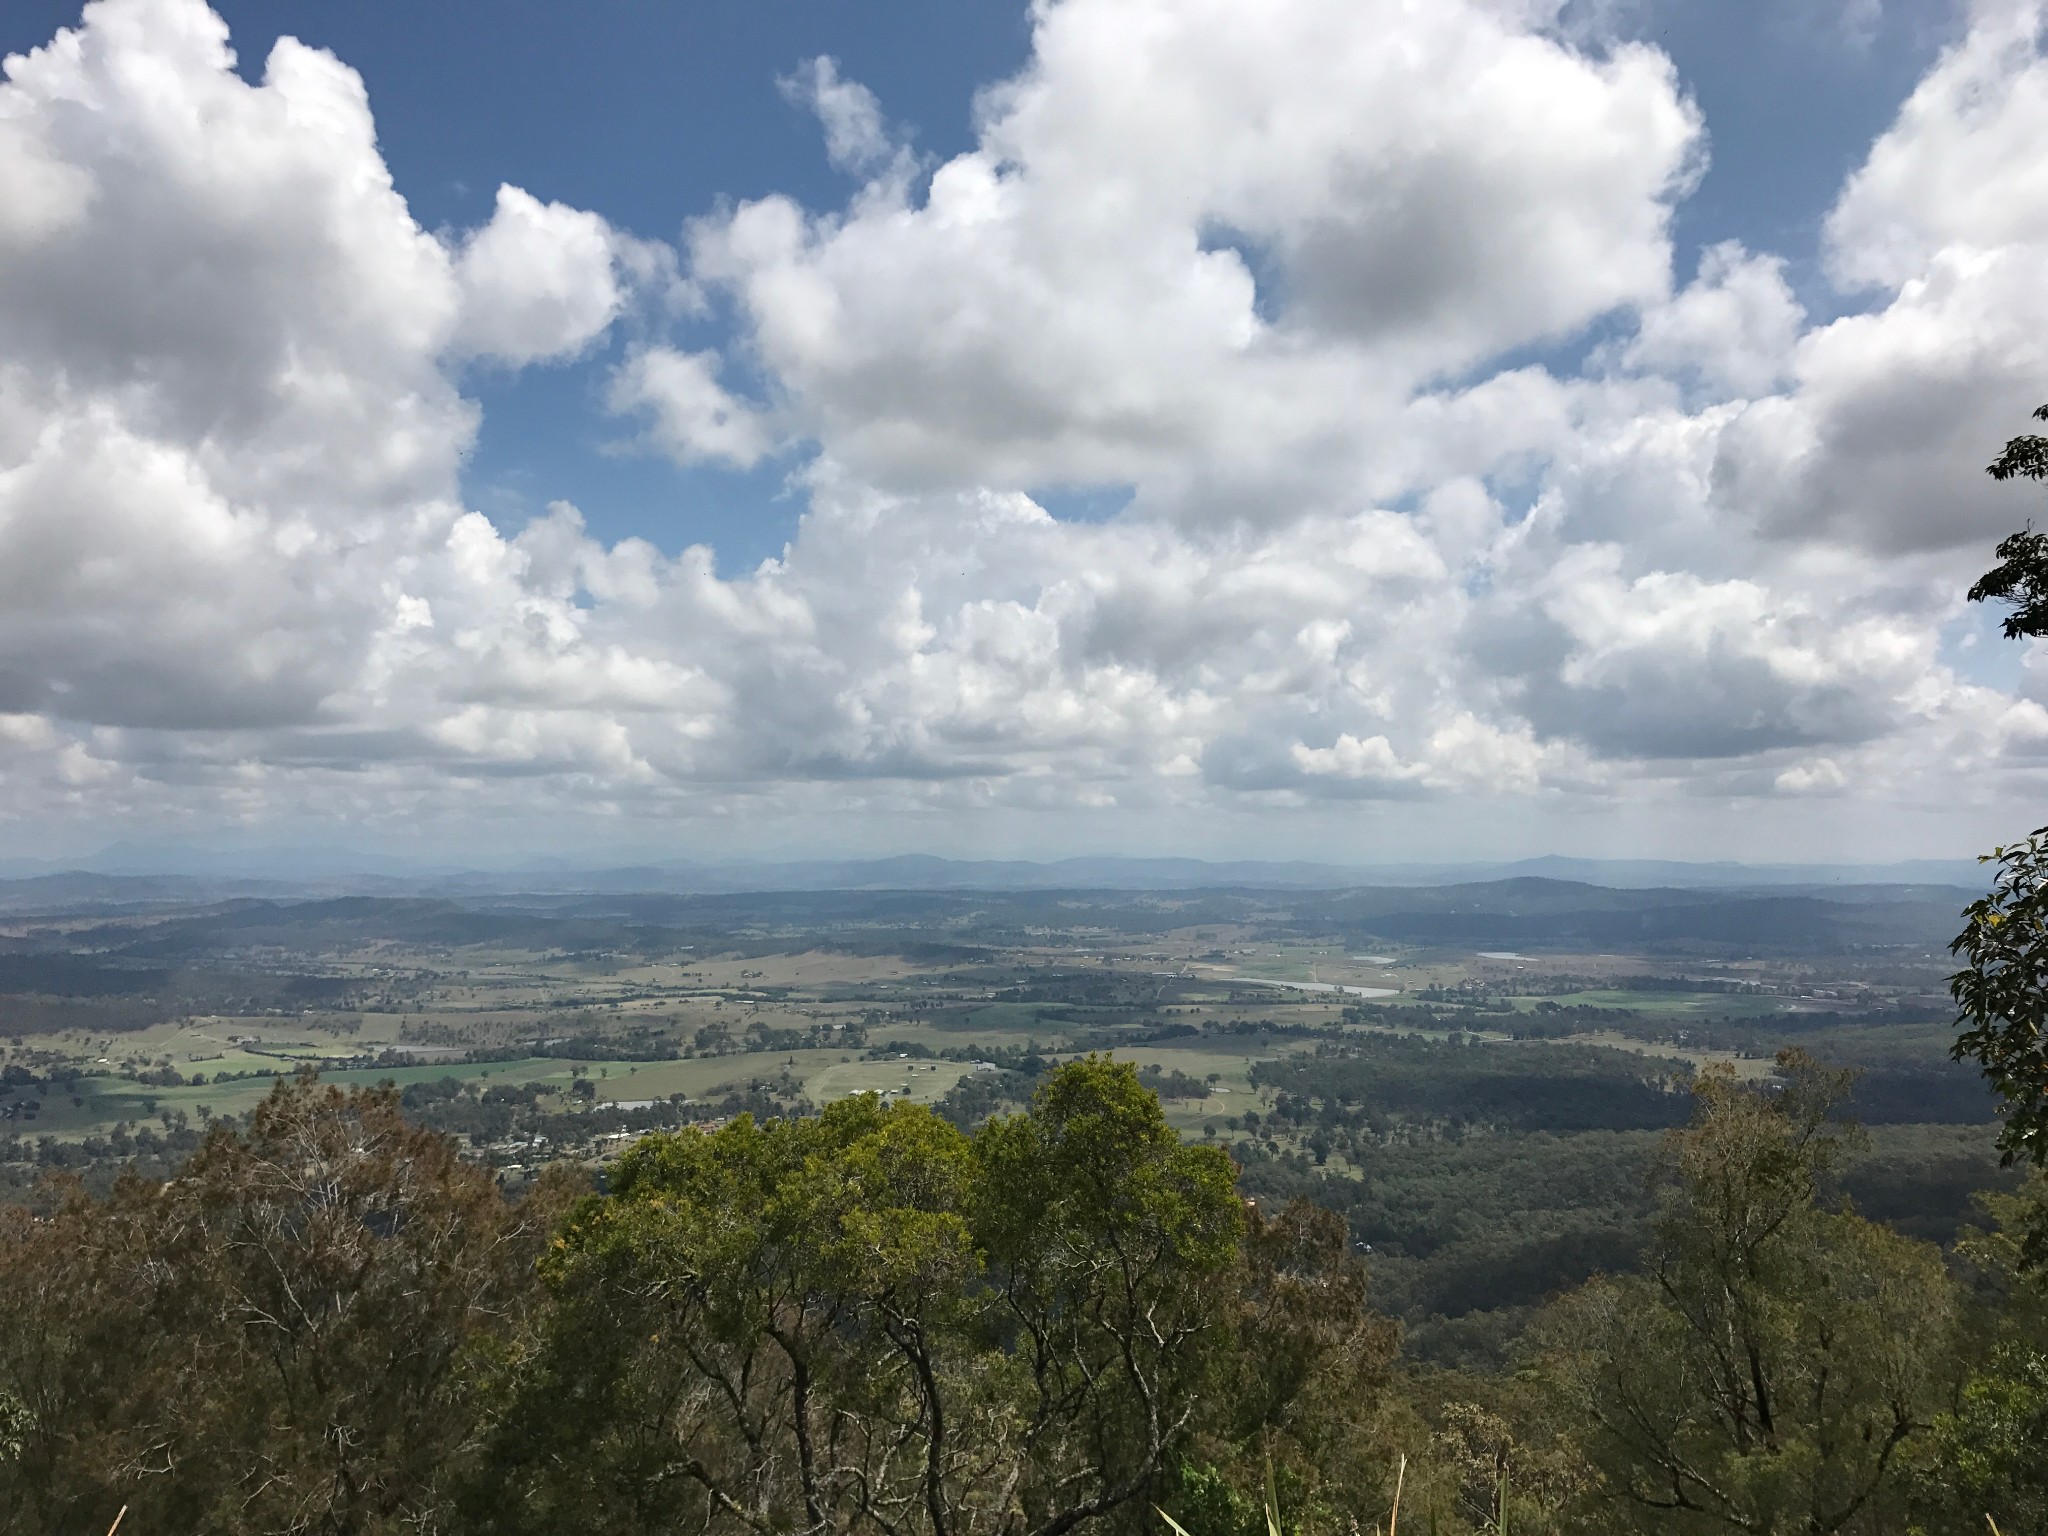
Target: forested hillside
869,1319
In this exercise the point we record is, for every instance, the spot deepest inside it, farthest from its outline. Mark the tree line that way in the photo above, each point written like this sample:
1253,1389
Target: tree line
871,1321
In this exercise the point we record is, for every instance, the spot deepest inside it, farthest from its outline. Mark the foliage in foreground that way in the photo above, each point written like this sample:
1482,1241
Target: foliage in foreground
2001,993
865,1320
281,1339
870,1321
1776,1365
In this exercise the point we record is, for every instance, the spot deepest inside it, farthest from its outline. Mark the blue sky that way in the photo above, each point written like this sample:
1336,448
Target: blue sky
1490,428
650,114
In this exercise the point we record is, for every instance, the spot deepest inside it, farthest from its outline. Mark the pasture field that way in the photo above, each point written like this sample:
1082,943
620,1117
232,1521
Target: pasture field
596,1005
829,1023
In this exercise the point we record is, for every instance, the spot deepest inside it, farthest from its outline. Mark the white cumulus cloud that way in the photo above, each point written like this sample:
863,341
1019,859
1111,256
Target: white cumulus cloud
1276,273
691,416
537,281
1202,244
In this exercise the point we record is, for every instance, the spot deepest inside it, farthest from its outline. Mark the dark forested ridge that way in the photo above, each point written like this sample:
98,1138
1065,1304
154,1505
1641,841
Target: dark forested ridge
1378,1083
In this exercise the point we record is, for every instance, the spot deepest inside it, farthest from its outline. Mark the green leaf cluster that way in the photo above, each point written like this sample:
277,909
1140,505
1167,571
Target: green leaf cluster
1780,1365
870,1320
283,1339
2001,993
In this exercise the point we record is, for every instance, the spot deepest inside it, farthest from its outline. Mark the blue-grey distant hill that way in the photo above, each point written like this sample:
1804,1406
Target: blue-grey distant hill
158,871
196,919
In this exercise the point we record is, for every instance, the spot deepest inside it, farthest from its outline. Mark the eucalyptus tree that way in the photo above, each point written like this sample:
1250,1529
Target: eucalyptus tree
1779,1366
2002,991
285,1338
868,1321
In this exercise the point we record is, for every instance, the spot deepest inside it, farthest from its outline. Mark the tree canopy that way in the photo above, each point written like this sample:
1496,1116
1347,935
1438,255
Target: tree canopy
870,1320
2021,576
282,1339
2002,992
1770,1370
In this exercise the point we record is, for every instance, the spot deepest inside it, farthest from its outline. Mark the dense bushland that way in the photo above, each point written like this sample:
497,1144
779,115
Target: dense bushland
872,1320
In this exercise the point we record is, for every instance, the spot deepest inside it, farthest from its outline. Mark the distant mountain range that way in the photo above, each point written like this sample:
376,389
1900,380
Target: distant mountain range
194,919
132,872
